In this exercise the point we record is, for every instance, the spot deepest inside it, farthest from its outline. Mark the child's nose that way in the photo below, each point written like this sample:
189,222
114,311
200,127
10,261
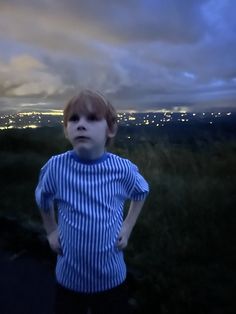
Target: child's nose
81,124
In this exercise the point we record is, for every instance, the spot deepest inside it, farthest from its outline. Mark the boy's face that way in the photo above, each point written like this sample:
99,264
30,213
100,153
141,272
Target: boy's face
88,134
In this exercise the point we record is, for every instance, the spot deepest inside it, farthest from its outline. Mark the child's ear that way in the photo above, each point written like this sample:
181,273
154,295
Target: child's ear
111,132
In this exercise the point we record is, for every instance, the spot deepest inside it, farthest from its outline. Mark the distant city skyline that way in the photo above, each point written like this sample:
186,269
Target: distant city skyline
142,55
160,119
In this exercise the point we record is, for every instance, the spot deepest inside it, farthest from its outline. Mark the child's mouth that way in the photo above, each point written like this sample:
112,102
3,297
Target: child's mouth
82,138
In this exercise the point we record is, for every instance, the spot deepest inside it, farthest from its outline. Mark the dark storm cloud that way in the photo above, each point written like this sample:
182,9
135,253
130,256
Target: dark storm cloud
141,54
141,21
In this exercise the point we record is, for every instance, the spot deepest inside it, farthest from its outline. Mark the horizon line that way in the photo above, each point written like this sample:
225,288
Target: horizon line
59,112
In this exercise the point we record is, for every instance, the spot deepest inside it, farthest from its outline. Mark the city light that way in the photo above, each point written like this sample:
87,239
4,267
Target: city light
22,120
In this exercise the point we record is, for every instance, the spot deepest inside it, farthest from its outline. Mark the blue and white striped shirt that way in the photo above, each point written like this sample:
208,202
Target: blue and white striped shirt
89,197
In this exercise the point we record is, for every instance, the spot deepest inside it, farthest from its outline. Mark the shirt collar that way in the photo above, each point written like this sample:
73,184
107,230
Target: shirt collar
88,161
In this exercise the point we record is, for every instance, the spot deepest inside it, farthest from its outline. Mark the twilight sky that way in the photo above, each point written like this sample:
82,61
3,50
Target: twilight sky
141,54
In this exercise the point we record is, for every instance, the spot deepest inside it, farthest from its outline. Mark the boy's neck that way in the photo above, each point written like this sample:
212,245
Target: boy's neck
88,155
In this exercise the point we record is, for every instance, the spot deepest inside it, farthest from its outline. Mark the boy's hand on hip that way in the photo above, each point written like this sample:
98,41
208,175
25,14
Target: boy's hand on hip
54,241
123,238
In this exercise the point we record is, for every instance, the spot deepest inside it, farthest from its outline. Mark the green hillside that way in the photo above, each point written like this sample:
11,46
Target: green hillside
181,256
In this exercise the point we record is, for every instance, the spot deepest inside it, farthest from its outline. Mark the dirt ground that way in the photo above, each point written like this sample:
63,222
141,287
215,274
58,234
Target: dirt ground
26,284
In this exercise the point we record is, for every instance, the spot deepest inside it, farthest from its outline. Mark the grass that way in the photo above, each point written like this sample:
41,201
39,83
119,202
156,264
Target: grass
183,244
181,255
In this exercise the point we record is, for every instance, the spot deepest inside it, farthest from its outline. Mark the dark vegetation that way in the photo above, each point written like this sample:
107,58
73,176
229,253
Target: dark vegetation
182,253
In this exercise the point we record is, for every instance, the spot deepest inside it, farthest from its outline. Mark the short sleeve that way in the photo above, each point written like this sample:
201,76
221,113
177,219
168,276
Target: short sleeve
141,187
45,190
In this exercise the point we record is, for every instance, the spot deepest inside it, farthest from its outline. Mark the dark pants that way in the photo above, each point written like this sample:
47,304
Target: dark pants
113,301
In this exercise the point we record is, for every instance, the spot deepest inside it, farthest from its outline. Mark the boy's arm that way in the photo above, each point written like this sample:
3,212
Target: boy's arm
129,223
50,226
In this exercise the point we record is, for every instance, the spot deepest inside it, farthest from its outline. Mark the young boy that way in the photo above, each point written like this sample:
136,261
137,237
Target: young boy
88,186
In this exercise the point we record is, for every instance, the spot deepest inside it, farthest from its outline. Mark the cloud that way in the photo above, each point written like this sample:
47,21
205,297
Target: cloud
25,76
139,53
109,21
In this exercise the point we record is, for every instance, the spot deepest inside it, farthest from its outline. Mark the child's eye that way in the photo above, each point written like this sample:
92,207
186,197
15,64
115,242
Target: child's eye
92,117
74,118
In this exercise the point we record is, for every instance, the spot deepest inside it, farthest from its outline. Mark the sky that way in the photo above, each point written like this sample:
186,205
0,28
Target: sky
143,55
